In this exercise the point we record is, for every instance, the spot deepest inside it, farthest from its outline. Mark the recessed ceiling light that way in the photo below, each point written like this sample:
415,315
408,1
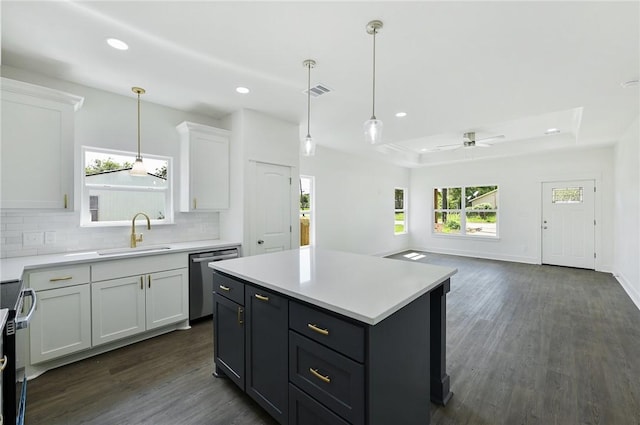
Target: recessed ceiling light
117,44
630,83
552,131
242,90
401,114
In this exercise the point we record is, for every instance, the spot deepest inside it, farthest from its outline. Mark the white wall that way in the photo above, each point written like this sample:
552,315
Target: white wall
354,202
108,120
519,180
257,137
627,211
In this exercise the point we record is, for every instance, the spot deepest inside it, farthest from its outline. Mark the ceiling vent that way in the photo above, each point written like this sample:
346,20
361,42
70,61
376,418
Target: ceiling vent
318,90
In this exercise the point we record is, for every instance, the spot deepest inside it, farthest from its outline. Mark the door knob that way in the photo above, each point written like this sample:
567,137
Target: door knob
260,241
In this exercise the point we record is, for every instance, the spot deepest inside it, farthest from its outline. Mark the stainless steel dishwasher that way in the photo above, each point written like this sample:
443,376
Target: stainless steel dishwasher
201,280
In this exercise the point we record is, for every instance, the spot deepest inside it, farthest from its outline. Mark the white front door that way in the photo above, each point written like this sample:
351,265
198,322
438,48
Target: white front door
568,223
272,208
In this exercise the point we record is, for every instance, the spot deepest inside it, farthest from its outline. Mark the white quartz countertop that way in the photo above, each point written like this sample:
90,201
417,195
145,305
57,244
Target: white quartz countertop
362,287
12,268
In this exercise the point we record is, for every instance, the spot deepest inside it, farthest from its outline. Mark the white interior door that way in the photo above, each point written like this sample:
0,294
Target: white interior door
568,223
272,208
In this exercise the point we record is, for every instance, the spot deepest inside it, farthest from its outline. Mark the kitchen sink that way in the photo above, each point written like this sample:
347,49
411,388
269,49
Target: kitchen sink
117,251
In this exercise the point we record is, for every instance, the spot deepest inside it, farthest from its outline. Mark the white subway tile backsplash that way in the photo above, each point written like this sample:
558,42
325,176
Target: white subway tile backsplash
69,236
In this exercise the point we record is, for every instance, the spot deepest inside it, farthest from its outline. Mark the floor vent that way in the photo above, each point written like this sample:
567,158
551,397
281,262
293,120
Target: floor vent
318,90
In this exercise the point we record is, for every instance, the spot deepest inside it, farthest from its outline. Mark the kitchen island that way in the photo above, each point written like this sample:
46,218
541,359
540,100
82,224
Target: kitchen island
320,336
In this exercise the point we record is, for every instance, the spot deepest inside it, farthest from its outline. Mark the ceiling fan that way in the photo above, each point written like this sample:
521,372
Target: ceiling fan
469,141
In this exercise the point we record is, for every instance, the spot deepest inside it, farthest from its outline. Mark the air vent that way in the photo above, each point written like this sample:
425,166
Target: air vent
318,90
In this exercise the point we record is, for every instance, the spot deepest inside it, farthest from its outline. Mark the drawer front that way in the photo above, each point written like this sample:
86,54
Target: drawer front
59,277
331,378
228,287
303,410
115,269
341,335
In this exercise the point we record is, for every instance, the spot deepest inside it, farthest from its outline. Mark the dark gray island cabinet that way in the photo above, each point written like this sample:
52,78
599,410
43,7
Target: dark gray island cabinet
308,360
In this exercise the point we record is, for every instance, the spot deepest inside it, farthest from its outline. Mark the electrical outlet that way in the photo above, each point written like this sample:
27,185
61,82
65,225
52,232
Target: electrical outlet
32,238
49,237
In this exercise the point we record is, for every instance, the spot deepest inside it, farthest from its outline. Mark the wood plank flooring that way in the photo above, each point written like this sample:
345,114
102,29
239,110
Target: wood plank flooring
526,344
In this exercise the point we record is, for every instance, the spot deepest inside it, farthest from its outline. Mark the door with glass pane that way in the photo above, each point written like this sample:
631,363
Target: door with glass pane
568,223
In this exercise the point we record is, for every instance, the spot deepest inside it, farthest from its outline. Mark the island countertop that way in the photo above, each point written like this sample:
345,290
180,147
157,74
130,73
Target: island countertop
362,287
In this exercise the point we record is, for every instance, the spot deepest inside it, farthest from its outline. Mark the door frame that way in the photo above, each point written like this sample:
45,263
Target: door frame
294,188
597,213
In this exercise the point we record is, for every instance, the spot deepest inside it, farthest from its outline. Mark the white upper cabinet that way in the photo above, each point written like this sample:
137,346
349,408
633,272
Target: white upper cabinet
37,146
204,167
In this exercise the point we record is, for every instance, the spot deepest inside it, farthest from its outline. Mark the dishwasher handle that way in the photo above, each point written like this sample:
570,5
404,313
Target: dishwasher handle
214,258
23,321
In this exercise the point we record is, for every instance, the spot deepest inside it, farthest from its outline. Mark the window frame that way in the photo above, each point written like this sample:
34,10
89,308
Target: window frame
85,207
462,212
404,210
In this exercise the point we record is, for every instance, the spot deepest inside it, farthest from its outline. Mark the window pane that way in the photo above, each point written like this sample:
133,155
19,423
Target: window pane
399,199
446,222
566,195
447,198
113,169
118,205
481,197
481,223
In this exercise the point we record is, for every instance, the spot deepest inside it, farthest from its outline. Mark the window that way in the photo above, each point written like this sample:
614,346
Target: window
306,210
566,195
400,212
111,196
471,210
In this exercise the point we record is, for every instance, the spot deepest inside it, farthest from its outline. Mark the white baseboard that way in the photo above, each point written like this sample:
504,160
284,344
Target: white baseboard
633,293
475,254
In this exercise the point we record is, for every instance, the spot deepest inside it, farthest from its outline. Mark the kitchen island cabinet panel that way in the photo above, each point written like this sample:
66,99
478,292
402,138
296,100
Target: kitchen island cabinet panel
266,351
305,410
228,339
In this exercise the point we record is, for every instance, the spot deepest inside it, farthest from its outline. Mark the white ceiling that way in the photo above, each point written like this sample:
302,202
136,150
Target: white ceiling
493,67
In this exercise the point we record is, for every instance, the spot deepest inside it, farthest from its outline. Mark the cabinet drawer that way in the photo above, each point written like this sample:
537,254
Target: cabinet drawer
303,410
331,378
342,336
228,287
58,277
116,269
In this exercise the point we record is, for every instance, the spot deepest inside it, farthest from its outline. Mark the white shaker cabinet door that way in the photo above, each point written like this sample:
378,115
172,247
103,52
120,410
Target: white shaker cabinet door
204,167
37,146
61,323
118,308
167,298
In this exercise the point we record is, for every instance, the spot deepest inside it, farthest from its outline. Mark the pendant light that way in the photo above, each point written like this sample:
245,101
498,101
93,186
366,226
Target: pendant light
373,126
138,168
308,145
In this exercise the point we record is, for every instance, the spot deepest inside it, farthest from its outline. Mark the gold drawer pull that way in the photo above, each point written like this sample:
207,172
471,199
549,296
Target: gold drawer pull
317,329
240,316
321,377
225,288
56,279
262,297
3,363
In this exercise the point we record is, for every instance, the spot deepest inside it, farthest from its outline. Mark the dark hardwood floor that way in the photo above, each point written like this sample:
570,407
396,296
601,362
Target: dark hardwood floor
526,344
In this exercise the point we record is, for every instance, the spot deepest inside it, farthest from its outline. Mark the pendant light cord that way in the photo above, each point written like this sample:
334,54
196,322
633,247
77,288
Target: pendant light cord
309,100
139,156
373,111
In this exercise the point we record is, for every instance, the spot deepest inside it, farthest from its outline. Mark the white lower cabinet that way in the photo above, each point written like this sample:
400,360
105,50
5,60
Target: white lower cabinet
131,305
61,324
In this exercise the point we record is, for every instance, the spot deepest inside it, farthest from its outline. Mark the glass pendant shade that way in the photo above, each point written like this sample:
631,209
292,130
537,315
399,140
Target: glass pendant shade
138,168
308,146
373,130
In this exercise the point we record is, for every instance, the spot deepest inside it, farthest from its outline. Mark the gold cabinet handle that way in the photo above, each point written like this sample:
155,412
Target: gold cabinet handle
149,281
317,329
195,204
318,375
262,297
240,317
225,288
3,363
57,279
66,200
141,283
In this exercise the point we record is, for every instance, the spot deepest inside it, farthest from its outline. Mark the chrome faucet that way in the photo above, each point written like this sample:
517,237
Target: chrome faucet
135,238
